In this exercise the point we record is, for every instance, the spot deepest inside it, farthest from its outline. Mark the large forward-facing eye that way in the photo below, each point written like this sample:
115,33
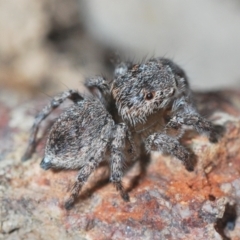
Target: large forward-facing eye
149,96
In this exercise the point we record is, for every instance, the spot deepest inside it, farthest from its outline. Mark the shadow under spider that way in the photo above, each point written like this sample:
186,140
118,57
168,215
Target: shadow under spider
144,161
100,182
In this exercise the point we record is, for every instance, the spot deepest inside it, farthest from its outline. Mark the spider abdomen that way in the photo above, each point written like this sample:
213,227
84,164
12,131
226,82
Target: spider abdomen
76,136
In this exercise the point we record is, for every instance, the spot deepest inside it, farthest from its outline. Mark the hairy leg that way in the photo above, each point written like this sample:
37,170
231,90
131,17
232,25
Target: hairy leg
186,114
167,144
100,88
98,82
200,124
55,102
93,156
117,160
83,175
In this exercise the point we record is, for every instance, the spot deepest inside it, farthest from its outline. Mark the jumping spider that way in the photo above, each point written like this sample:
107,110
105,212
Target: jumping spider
145,104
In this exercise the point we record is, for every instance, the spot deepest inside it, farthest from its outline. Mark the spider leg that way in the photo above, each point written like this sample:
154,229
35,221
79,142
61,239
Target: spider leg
96,156
83,175
55,102
167,144
117,160
99,87
187,115
98,82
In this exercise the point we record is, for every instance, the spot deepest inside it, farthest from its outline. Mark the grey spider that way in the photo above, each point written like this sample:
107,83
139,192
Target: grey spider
148,104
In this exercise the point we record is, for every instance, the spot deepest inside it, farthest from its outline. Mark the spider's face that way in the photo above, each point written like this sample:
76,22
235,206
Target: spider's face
143,90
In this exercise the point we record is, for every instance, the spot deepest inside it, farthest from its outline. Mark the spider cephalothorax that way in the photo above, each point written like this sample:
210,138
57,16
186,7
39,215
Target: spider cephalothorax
145,104
147,88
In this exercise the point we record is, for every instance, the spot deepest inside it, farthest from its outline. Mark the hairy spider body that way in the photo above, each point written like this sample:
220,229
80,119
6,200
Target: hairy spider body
146,104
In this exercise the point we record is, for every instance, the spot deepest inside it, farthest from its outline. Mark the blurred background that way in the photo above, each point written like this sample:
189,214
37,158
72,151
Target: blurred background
49,45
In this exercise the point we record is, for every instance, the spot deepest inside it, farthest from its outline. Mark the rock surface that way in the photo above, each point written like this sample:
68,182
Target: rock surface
166,201
44,46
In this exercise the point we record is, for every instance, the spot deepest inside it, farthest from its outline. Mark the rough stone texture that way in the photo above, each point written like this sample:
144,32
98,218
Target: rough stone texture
167,202
43,43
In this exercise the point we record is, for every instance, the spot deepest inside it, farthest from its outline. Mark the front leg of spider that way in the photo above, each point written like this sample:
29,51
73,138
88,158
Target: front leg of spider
117,159
55,102
201,125
186,114
166,144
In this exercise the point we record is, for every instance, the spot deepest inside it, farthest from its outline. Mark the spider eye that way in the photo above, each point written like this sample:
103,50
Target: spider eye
149,96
